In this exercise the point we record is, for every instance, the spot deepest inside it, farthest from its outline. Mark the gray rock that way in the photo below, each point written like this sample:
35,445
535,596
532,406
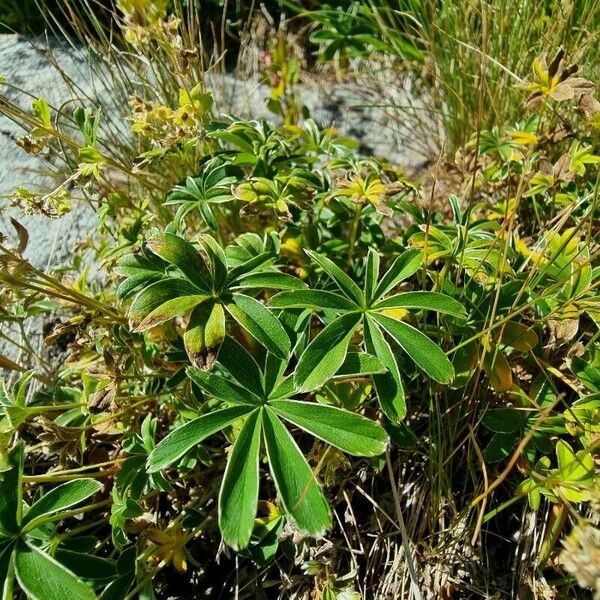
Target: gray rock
27,68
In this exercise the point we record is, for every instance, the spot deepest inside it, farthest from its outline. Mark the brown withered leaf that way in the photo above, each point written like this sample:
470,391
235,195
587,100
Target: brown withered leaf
588,106
555,135
60,440
30,144
22,234
545,166
204,360
561,171
102,400
562,331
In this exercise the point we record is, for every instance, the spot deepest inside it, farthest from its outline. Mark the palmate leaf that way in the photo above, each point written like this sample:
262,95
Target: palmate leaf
249,245
296,484
262,398
43,578
238,497
211,186
325,353
205,286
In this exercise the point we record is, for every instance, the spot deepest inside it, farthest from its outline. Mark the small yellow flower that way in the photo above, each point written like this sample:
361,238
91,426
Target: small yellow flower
369,190
395,313
524,138
170,546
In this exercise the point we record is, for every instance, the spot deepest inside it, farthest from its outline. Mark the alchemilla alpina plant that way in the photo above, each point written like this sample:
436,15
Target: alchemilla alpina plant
279,367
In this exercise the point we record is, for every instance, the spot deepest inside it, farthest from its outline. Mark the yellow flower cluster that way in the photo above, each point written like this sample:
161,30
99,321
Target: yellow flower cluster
163,124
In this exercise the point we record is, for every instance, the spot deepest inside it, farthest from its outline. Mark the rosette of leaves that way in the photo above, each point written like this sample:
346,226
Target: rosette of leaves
27,539
213,186
380,314
469,245
262,400
258,146
203,285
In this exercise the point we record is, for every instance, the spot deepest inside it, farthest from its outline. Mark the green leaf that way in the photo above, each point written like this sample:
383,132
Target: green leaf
218,386
269,280
60,498
217,260
425,301
43,578
87,566
249,266
404,266
11,492
204,334
274,370
499,447
574,467
326,353
371,274
518,336
388,385
420,348
7,547
340,428
315,299
241,365
504,420
359,364
343,281
161,301
587,369
139,270
179,441
260,323
180,253
42,111
296,484
238,497
169,310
